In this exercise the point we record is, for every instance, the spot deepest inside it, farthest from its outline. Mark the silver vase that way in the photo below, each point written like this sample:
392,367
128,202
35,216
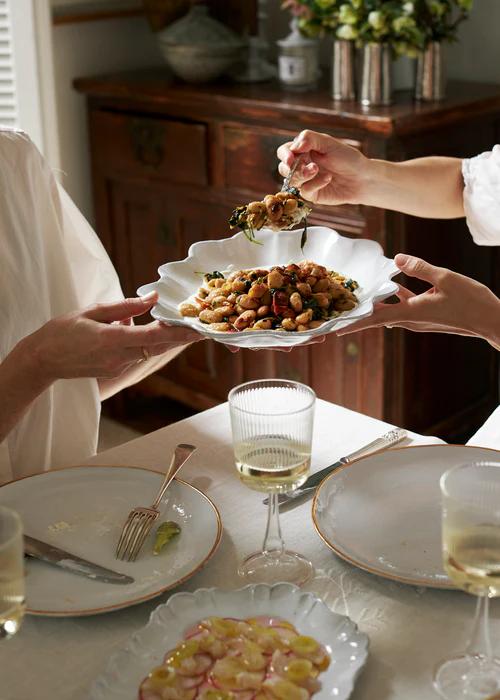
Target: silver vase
430,83
343,70
376,77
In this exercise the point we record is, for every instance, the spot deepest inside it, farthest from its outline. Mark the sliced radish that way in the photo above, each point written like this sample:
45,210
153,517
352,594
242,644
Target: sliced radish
281,689
188,682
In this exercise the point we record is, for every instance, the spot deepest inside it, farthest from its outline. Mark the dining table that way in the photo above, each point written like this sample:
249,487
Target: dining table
410,629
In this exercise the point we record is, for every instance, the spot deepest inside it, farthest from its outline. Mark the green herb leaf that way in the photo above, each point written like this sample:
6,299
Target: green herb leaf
165,532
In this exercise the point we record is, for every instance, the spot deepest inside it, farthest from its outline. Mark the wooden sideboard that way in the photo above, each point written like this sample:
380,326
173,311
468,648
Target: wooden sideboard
169,163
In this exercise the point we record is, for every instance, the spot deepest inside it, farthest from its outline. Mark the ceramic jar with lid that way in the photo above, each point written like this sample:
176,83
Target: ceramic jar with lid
298,60
198,48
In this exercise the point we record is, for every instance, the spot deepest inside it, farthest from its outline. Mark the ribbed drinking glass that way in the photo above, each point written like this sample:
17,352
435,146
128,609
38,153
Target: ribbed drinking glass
272,424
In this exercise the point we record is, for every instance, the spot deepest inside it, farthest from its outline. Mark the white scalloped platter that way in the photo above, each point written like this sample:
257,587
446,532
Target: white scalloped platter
347,646
357,258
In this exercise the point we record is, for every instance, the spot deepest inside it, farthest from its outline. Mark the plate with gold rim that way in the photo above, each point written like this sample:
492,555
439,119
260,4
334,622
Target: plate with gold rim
82,510
382,513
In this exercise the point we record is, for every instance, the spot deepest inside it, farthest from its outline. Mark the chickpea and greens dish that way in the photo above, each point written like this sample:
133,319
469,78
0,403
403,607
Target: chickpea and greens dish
279,212
285,298
260,658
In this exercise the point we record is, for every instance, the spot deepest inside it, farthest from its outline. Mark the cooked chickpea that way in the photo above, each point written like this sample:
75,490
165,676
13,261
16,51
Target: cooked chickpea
216,283
304,289
311,280
318,271
187,309
303,327
267,298
232,298
244,320
233,318
263,310
315,324
202,293
257,290
288,324
274,207
211,316
275,279
239,285
219,301
322,285
246,302
305,317
264,324
322,300
290,206
221,327
296,302
345,305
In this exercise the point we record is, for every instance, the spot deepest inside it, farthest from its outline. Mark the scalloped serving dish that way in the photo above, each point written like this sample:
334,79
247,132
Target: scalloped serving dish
347,646
357,258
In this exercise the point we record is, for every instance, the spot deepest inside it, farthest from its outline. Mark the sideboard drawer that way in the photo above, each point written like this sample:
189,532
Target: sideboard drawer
150,148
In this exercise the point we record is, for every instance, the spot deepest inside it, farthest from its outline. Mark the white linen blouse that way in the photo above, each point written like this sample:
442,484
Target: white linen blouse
51,263
482,208
482,196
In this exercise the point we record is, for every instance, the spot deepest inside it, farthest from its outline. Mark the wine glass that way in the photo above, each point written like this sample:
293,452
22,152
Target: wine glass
11,573
471,550
272,423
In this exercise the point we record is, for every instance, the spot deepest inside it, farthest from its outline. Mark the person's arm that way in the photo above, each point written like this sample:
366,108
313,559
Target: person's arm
90,343
427,187
333,172
181,339
454,304
21,382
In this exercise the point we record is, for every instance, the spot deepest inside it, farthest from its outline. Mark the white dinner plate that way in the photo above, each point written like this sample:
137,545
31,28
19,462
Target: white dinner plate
382,513
358,258
347,646
82,510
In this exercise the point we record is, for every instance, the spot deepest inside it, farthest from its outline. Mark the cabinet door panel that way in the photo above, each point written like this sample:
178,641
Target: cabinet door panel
151,227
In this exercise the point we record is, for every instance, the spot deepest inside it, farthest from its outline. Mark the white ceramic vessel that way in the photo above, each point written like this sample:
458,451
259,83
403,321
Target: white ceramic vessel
359,259
82,510
382,513
347,646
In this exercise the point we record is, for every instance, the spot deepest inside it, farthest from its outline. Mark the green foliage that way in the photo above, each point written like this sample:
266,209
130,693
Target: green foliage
407,25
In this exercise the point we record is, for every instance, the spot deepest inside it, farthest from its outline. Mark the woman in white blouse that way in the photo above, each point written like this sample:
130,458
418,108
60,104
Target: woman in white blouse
57,361
335,173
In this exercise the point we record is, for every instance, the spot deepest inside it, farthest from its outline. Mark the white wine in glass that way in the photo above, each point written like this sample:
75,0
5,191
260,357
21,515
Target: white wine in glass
272,423
471,555
12,604
272,464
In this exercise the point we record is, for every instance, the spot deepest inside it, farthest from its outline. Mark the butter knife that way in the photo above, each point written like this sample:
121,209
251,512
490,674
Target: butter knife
70,562
290,500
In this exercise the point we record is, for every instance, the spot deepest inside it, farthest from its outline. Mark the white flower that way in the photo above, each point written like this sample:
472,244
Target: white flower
409,8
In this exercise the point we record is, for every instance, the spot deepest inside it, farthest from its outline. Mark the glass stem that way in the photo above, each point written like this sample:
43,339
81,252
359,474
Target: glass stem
273,539
480,642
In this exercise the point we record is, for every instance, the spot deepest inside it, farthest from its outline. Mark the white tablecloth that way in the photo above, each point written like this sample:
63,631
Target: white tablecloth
410,629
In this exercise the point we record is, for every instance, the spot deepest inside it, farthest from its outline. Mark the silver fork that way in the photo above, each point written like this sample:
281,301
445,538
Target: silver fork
288,179
140,520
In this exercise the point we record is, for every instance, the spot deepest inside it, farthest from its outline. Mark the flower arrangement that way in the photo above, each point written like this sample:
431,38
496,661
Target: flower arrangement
439,19
406,25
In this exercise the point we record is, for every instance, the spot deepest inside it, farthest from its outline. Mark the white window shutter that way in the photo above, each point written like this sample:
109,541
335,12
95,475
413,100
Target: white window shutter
8,102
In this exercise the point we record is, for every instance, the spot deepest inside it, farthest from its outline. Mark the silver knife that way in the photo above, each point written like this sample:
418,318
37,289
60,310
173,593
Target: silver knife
70,562
290,500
